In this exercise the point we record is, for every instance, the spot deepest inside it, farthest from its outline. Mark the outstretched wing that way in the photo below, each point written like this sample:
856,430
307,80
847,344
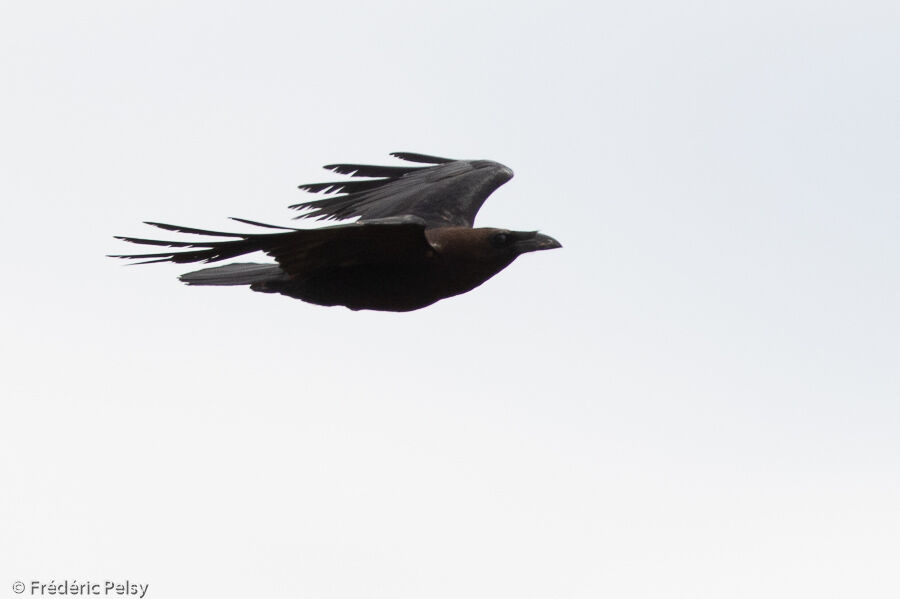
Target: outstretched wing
300,252
448,193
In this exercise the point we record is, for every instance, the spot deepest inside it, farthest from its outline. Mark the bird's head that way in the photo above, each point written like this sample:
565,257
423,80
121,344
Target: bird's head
487,244
516,243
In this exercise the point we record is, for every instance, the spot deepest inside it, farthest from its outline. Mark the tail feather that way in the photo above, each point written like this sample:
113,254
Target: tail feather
240,273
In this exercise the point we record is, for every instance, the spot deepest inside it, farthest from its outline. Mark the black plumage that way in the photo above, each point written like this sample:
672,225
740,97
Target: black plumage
413,242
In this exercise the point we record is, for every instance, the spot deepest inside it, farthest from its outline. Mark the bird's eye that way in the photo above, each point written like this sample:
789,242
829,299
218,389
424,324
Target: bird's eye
499,240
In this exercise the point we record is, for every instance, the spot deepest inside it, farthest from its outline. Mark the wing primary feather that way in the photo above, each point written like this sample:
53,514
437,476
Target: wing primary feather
208,251
213,254
171,244
343,186
180,229
333,208
143,261
161,256
422,158
365,170
259,224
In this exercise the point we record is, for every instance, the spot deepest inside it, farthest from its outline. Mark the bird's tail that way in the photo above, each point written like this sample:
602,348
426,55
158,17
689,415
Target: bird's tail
241,273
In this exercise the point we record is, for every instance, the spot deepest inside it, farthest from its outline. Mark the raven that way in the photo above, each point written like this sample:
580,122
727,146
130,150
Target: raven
412,245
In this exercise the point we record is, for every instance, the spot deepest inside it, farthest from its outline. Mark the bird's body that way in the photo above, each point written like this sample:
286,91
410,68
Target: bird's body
414,242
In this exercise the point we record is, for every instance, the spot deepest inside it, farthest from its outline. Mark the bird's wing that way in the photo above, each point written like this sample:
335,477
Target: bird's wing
446,193
383,242
301,252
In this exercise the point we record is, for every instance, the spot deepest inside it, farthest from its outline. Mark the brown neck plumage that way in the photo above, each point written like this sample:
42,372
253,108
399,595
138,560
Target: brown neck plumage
467,255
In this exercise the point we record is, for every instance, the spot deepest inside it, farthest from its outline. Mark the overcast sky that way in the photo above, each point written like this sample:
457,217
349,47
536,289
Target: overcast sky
697,396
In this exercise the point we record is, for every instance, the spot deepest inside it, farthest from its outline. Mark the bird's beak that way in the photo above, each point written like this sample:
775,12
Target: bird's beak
536,242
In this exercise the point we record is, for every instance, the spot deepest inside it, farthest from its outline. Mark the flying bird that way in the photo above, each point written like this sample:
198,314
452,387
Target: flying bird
413,243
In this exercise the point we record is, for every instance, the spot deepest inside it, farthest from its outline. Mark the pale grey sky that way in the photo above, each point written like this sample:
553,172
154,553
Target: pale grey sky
696,397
